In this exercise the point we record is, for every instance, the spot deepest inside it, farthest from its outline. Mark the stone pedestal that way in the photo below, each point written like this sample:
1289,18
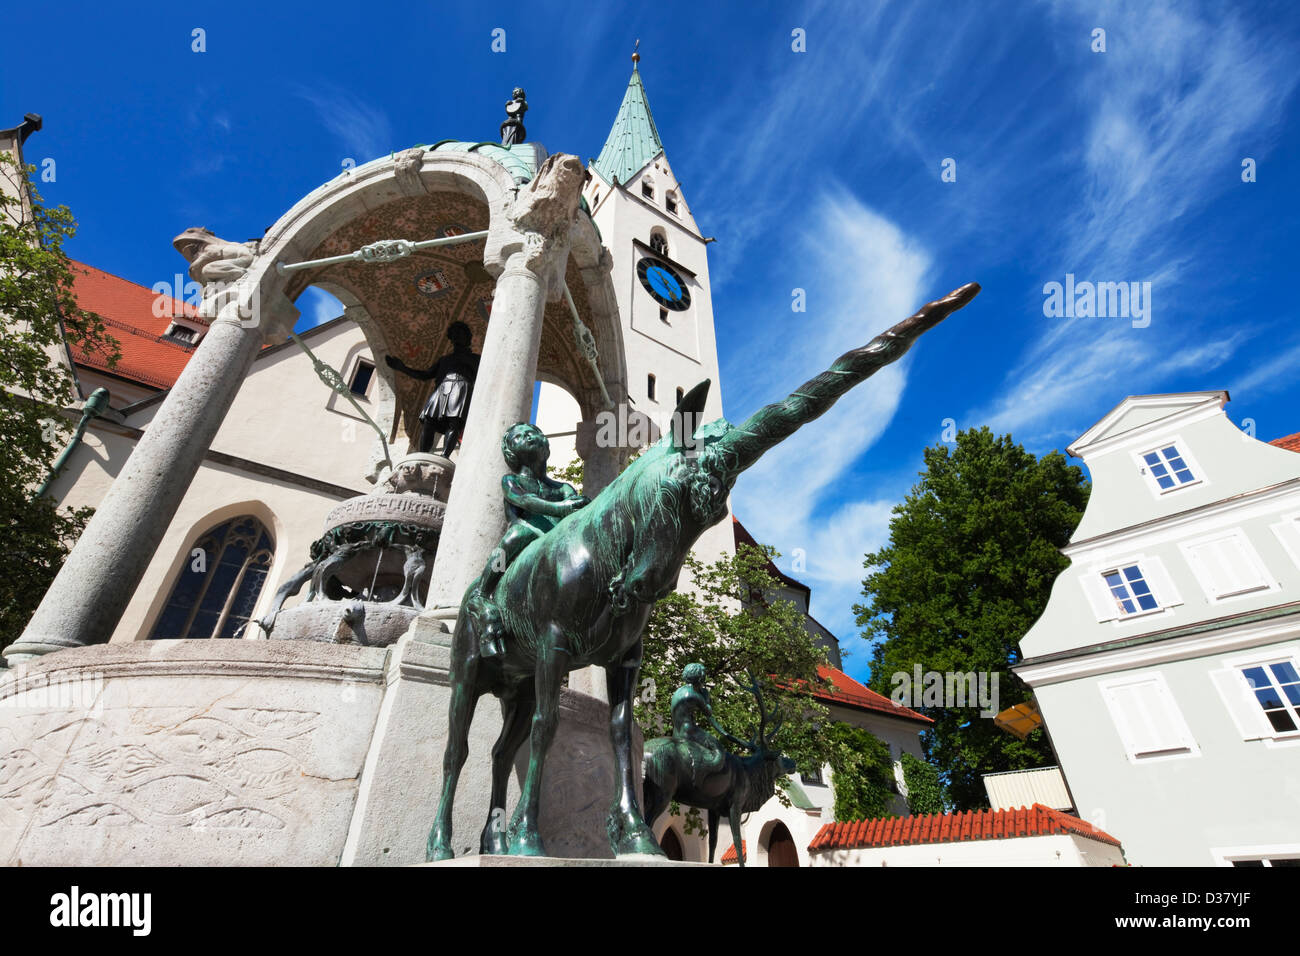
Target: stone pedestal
546,862
264,753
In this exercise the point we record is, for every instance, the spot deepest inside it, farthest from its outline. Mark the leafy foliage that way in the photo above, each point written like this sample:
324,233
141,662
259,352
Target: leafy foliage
924,792
863,773
970,563
730,625
36,306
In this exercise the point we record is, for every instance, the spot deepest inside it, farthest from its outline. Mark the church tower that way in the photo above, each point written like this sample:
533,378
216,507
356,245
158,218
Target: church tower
660,275
661,267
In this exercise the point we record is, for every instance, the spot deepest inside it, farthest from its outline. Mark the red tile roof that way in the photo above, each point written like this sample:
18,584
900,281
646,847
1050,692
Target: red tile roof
845,690
1289,442
730,855
953,828
128,311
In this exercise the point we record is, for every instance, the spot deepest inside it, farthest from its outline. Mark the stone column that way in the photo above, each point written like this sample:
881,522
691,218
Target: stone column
527,249
88,597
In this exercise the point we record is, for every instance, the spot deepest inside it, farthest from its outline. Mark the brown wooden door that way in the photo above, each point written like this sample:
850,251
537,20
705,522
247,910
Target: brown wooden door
781,849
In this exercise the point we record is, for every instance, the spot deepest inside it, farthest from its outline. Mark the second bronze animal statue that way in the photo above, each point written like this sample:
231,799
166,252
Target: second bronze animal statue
580,595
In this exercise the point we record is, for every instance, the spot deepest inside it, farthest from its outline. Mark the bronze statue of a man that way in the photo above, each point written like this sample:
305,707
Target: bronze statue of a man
445,411
512,127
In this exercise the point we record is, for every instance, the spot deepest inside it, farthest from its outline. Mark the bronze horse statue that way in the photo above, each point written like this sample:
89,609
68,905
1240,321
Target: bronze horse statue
580,595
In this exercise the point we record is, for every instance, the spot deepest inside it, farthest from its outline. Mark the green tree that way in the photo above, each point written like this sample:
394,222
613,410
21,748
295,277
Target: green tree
730,624
863,773
36,308
924,792
969,566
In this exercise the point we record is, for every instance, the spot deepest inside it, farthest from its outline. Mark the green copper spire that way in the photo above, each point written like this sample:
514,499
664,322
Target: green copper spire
633,141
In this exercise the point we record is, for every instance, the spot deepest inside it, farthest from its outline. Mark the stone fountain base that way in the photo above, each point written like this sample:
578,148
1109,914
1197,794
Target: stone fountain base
244,752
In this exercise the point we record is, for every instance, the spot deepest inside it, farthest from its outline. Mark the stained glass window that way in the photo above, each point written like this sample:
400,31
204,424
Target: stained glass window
220,582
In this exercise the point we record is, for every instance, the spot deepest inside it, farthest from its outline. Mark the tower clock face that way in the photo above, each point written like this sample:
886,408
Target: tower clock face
663,282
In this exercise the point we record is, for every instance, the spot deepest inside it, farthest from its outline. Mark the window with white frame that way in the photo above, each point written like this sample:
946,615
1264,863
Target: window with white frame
1276,687
361,376
1147,719
1262,695
1226,565
1168,468
1269,861
1130,588
1130,591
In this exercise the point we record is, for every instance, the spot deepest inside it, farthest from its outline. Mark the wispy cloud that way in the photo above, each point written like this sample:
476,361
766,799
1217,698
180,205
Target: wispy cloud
794,499
315,307
1168,111
363,130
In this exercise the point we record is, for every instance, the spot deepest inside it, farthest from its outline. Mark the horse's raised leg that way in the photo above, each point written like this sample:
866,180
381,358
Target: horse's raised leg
552,659
464,695
628,833
515,713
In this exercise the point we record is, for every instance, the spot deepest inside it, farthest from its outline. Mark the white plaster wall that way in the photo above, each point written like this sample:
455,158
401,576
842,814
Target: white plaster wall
1055,850
281,418
1172,811
1234,464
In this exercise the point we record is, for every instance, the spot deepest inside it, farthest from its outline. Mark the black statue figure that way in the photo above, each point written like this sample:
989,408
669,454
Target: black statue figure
445,411
512,127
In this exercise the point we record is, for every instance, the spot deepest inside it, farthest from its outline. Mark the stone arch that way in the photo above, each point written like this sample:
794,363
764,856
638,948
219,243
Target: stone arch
201,526
776,846
113,553
454,189
659,241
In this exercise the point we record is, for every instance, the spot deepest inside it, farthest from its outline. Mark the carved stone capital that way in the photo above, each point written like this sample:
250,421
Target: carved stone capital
406,170
213,259
537,222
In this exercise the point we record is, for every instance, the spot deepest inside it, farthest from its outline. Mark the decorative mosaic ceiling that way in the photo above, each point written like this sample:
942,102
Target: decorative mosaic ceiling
413,301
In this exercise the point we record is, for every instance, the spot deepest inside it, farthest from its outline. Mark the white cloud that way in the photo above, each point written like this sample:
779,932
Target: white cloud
1169,110
362,130
791,498
316,306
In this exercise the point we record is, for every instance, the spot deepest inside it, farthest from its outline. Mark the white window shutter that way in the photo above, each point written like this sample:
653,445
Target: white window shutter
1147,718
1288,532
1102,602
1242,706
1227,566
1157,576
1127,721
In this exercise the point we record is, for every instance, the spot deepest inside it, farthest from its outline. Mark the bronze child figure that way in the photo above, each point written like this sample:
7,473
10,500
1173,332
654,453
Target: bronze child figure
534,504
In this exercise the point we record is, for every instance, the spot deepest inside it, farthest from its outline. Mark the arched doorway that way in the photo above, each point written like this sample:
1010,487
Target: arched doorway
781,850
671,844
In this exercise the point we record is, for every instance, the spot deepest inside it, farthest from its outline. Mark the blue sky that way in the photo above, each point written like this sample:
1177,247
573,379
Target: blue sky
818,170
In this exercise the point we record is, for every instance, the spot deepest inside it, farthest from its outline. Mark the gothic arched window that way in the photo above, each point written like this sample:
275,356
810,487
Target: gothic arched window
219,585
659,243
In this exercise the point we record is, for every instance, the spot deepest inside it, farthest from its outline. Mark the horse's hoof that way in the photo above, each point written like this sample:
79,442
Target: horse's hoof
629,836
527,844
437,848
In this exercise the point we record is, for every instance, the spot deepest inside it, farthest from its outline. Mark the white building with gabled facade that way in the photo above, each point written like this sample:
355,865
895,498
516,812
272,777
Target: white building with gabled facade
1167,662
